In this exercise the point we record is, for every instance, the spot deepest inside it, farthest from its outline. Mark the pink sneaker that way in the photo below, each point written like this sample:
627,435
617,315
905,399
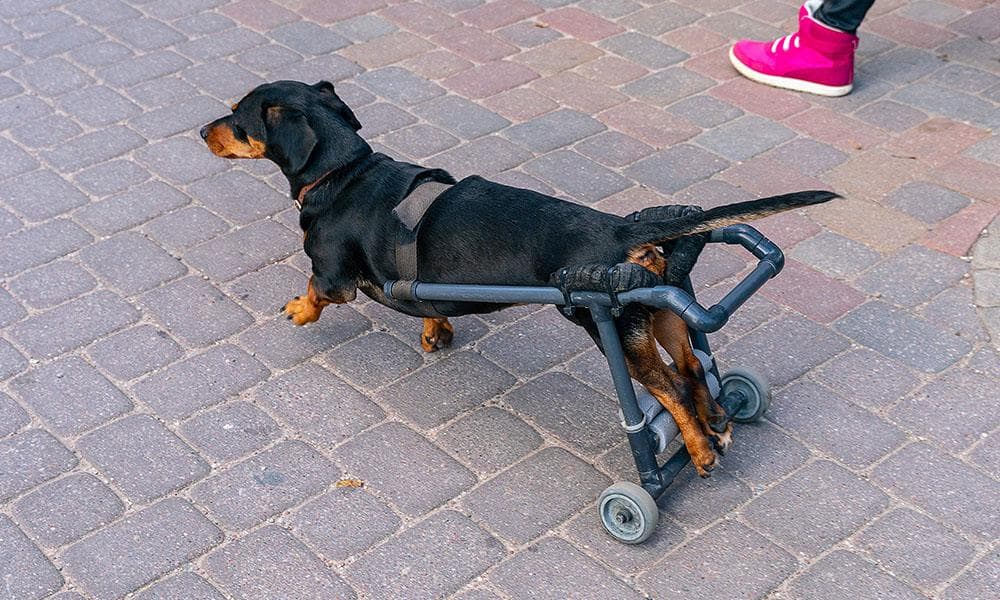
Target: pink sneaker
815,59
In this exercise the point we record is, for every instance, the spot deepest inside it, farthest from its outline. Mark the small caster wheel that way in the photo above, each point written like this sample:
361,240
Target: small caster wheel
754,386
628,512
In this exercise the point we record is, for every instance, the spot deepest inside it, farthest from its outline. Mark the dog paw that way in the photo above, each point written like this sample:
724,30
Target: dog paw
300,311
437,336
705,462
722,441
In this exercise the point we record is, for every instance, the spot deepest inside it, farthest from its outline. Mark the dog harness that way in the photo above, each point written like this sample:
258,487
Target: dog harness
410,210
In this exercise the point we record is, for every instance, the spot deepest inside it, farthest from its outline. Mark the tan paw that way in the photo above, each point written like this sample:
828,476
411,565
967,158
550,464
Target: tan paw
437,337
705,461
723,440
301,311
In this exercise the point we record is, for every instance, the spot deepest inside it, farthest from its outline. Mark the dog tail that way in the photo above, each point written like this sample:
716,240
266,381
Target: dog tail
635,234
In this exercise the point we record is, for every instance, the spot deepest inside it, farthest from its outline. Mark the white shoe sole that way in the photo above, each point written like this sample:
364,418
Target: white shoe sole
789,83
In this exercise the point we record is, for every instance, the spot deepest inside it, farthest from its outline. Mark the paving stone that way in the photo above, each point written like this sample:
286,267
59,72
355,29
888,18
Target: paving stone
267,290
184,228
373,360
459,116
704,111
868,378
577,175
15,160
671,170
146,34
946,101
420,141
180,160
485,156
52,76
915,548
343,522
318,405
92,148
134,352
835,255
92,316
265,485
661,19
243,250
928,202
45,132
900,65
11,361
70,395
223,43
66,509
162,91
111,177
836,427
195,311
222,79
744,137
131,263
101,54
102,12
10,309
8,222
131,208
685,499
142,457
843,572
97,106
263,59
614,149
815,508
58,42
41,195
231,431
368,27
199,381
988,150
900,336
667,86
26,572
391,569
951,410
184,585
21,109
891,115
955,309
187,114
12,416
492,78
29,458
156,540
271,563
488,439
380,118
527,500
396,462
643,50
712,564
762,454
553,130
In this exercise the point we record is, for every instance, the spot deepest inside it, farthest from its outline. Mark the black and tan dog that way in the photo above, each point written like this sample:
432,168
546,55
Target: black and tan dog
475,231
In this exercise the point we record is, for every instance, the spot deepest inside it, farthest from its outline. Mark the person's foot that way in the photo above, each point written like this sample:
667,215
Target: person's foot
815,59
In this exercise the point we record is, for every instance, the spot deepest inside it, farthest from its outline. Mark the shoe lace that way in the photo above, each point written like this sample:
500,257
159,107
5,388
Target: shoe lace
790,39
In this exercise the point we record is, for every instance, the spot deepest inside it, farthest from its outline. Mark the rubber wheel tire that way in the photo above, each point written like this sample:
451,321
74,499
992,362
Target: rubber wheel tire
754,386
628,512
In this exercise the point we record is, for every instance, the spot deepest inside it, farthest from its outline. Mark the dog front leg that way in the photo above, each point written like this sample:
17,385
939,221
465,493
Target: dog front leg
437,334
306,309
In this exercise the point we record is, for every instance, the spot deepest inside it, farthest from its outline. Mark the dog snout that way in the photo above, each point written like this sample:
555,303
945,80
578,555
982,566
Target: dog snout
204,131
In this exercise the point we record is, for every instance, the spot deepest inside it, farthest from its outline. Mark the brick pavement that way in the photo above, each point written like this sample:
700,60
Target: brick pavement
163,432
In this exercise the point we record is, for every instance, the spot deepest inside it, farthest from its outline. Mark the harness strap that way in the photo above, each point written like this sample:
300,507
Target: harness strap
410,210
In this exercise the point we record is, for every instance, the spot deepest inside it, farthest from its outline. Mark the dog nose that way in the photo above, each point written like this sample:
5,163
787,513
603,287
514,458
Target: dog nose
204,132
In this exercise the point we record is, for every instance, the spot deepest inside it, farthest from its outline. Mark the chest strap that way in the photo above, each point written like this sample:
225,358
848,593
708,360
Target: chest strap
410,210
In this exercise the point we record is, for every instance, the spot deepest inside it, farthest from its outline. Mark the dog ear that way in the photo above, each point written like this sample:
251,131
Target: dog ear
326,88
290,139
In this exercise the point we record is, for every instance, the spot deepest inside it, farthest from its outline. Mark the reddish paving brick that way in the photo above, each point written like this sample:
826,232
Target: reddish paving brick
474,44
984,24
694,39
651,125
768,11
867,222
420,18
788,228
558,55
811,293
837,129
972,177
908,31
332,12
386,50
767,177
491,78
766,101
493,15
956,234
259,14
937,141
714,64
520,104
436,65
570,89
581,24
611,70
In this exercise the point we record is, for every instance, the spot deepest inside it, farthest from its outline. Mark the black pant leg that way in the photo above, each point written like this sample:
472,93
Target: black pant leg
845,15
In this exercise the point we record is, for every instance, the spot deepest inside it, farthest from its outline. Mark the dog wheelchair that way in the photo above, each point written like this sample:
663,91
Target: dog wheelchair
628,511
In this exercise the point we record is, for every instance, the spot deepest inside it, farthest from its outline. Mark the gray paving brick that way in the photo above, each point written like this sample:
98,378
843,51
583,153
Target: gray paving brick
838,428
92,148
867,378
199,381
986,454
266,290
271,563
102,12
946,101
19,110
38,21
46,131
835,255
987,150
902,337
913,275
142,457
396,463
145,34
222,79
660,19
41,195
373,360
979,582
66,509
131,263
554,130
927,202
195,311
231,431
203,23
705,111
185,585
915,548
52,76
952,410
10,309
280,344
713,565
744,138
762,454
364,28
12,416
484,156
320,406
667,86
420,141
9,87
900,65
223,43
586,532
239,197
97,106
263,59
11,361
187,114
891,115
26,572
139,548
614,149
578,176
181,8
808,156
327,67
489,439
643,50
29,458
399,85
309,38
815,508
78,322
343,522
186,227
243,250
415,564
535,495
265,485
143,68
134,352
15,160
675,168
165,90
843,574
685,499
111,177
131,208
446,388
58,42
70,395
180,160
100,54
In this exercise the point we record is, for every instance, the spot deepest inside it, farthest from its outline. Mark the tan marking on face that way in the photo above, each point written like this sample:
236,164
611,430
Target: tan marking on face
233,107
222,142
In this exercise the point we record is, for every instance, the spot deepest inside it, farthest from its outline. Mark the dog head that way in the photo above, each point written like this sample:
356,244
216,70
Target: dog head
298,126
